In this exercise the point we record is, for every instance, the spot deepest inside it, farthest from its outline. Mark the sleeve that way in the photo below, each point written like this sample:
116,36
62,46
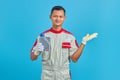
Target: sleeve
33,47
74,46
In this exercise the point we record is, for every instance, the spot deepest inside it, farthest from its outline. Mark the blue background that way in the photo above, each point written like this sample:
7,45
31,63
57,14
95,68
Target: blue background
22,20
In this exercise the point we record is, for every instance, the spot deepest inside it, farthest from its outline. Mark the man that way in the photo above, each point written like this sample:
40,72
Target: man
58,46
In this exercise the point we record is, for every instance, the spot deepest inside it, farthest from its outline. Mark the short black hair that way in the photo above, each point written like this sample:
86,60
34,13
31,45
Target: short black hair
58,8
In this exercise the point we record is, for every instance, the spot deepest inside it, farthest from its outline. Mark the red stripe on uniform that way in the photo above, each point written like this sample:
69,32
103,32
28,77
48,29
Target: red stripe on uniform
66,46
34,45
76,43
66,43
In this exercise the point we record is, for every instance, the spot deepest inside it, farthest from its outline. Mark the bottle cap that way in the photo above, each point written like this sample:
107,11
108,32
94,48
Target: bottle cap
42,35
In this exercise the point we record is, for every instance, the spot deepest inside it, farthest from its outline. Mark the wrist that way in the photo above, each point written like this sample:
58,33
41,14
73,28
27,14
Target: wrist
84,42
36,53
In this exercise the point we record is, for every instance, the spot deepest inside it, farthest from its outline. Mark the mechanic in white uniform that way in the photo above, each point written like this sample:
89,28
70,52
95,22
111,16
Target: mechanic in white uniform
57,46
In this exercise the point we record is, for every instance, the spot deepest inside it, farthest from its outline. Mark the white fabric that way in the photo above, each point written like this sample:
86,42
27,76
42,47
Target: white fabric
55,61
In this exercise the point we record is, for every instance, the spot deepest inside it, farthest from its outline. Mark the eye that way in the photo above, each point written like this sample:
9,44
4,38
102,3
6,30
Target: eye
61,16
55,16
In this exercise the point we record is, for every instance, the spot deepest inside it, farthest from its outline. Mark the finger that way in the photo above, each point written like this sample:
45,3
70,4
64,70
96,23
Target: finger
94,35
87,35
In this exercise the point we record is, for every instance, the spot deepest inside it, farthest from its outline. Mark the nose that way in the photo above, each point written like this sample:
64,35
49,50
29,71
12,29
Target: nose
58,17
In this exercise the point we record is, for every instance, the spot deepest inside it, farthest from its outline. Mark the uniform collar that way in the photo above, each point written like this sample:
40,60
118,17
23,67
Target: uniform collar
57,32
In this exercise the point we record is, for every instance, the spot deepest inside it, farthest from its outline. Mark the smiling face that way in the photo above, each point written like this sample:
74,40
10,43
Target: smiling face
57,17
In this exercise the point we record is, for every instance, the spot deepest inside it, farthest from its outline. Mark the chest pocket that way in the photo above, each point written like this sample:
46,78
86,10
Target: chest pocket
66,45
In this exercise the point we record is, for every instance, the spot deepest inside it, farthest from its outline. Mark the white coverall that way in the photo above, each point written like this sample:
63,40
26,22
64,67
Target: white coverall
59,45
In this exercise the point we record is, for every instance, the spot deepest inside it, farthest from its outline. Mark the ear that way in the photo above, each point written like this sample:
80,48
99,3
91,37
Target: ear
65,17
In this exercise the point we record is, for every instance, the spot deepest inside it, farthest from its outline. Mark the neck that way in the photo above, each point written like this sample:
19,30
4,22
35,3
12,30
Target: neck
57,28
